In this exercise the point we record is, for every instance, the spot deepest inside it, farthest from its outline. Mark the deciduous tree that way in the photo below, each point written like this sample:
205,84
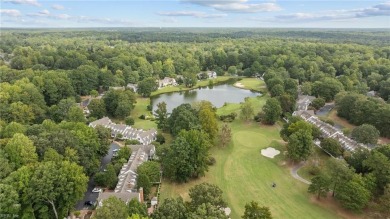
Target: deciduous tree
366,134
353,194
147,86
225,134
97,108
300,145
143,182
161,115
332,146
113,208
320,185
206,193
247,110
171,208
21,151
150,169
272,111
187,156
134,207
254,211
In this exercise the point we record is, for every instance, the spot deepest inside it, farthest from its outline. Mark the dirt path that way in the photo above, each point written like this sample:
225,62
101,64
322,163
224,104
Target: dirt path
294,173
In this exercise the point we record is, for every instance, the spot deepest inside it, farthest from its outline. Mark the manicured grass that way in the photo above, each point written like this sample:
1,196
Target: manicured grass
257,103
140,109
252,84
244,175
219,79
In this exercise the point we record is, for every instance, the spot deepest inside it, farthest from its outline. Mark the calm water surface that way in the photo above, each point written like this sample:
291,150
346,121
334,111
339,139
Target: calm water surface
217,95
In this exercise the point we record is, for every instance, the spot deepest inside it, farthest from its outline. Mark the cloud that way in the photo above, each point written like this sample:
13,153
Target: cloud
24,2
57,7
196,14
374,11
10,12
238,6
43,13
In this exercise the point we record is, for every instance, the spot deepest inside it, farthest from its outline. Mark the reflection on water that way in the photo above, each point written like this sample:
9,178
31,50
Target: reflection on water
217,95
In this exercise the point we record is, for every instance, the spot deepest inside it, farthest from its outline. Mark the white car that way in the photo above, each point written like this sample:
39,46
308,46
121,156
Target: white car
97,190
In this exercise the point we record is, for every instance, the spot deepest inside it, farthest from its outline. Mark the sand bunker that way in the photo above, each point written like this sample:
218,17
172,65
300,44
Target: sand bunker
270,152
238,84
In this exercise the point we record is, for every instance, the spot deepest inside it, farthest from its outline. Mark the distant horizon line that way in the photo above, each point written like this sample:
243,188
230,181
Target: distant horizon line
350,28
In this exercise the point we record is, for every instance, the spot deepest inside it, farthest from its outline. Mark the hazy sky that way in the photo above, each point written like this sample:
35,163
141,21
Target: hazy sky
196,13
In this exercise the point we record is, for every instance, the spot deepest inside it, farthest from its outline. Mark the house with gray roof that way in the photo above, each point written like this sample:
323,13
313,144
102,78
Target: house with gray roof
126,188
124,132
304,101
329,131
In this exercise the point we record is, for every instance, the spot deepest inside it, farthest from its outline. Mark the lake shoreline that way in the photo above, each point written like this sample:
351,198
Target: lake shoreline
218,95
201,84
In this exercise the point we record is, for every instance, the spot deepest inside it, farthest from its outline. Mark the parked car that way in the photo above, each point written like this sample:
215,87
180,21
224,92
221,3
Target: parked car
97,190
88,203
115,150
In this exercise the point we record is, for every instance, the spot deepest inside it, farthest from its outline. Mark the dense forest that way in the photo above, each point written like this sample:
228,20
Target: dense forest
47,148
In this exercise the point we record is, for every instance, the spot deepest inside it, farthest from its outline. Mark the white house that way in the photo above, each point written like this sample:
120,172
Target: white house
167,81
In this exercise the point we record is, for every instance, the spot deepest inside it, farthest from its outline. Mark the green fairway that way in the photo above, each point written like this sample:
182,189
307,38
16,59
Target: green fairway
244,175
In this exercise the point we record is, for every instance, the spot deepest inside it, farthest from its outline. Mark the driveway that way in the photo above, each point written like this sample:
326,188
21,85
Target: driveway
89,195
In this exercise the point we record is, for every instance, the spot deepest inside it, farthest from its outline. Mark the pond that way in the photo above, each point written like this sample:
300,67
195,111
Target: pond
217,95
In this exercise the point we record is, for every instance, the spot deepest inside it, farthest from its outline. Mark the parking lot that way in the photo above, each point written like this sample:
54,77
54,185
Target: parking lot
92,196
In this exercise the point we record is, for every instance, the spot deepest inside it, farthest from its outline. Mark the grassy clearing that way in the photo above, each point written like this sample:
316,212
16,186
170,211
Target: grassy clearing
257,103
140,109
244,175
220,79
252,84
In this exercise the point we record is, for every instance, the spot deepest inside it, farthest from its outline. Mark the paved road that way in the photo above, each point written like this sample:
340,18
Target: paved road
294,173
89,195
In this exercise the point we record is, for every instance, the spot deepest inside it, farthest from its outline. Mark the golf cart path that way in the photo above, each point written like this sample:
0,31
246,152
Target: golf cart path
294,173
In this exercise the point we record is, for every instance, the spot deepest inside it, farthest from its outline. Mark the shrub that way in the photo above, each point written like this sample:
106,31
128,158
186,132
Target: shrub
314,170
228,118
211,161
132,142
160,138
129,121
329,121
142,116
100,179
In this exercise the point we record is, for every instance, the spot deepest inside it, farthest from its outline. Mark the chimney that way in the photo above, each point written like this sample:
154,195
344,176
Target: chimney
141,195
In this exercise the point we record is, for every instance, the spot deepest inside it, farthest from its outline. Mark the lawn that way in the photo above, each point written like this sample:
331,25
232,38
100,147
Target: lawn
140,109
257,103
252,84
